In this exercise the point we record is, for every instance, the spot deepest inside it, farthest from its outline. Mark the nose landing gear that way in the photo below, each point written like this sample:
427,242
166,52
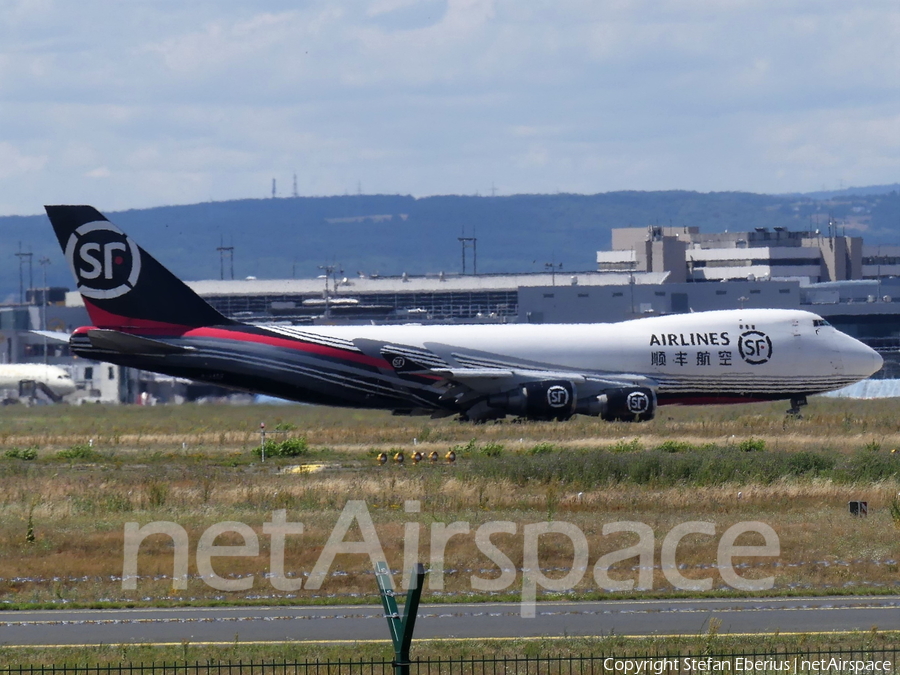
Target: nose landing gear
796,403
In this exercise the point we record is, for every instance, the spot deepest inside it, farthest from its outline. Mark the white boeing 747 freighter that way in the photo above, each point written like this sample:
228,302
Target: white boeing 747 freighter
144,317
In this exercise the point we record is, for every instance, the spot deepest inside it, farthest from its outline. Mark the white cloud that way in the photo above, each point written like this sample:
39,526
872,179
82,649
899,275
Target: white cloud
99,172
182,102
15,164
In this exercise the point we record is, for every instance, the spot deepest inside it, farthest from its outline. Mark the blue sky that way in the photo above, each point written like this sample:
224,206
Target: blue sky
144,103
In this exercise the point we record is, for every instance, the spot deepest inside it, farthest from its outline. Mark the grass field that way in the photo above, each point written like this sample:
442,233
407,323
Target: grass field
63,513
70,478
826,422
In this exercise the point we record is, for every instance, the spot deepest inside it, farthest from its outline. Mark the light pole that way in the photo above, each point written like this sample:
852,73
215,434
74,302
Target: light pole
330,274
553,267
466,242
43,262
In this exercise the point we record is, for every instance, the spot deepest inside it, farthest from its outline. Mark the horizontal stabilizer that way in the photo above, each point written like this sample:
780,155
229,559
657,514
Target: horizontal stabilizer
53,335
124,343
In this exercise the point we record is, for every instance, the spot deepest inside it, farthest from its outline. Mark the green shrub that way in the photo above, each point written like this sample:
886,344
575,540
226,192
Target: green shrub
752,445
291,447
634,445
285,426
157,493
467,450
675,446
271,448
658,468
869,466
491,449
808,464
27,454
544,448
79,451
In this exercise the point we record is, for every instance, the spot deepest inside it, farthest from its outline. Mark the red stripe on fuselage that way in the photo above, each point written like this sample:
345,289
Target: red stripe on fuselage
144,327
286,343
127,324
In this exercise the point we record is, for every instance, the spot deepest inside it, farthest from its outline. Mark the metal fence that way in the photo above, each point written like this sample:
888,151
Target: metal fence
880,661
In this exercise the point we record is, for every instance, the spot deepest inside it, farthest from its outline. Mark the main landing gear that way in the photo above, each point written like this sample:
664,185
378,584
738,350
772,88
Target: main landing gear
797,402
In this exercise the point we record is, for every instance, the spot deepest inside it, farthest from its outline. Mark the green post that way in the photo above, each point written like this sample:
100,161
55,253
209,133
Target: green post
401,628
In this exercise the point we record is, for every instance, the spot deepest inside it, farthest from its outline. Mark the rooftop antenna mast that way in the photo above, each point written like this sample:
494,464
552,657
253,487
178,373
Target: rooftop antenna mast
331,272
223,251
43,262
22,256
553,266
467,242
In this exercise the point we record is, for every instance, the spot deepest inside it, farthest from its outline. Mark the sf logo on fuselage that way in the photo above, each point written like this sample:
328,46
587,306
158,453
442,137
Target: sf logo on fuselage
557,396
755,347
637,402
106,263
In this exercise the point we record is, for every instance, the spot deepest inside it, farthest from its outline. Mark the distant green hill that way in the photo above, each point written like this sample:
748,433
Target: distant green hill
391,234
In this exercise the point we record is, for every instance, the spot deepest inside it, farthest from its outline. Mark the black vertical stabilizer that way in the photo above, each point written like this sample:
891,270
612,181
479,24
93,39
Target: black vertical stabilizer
122,284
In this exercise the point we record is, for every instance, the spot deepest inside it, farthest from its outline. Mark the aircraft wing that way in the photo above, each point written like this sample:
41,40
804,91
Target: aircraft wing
413,361
473,376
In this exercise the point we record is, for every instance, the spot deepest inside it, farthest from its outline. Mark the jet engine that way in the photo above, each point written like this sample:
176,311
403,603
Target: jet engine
558,400
627,404
544,400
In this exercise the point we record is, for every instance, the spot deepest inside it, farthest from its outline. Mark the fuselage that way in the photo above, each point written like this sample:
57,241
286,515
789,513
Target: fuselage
54,377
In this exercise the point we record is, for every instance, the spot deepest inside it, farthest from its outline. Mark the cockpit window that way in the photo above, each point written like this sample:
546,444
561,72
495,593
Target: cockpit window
820,322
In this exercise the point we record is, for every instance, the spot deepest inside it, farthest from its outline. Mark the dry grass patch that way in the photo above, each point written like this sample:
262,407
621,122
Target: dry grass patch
79,524
225,428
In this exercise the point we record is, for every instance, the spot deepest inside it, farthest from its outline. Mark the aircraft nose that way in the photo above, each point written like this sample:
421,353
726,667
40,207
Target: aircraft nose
862,360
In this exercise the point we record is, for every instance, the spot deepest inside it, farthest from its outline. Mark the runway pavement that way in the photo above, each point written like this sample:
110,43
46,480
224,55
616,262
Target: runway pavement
488,620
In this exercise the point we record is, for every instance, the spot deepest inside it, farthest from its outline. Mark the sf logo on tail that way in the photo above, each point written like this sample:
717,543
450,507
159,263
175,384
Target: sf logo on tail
106,263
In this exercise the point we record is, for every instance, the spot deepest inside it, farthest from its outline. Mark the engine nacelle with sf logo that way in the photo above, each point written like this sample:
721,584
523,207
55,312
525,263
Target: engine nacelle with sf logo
628,404
545,400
